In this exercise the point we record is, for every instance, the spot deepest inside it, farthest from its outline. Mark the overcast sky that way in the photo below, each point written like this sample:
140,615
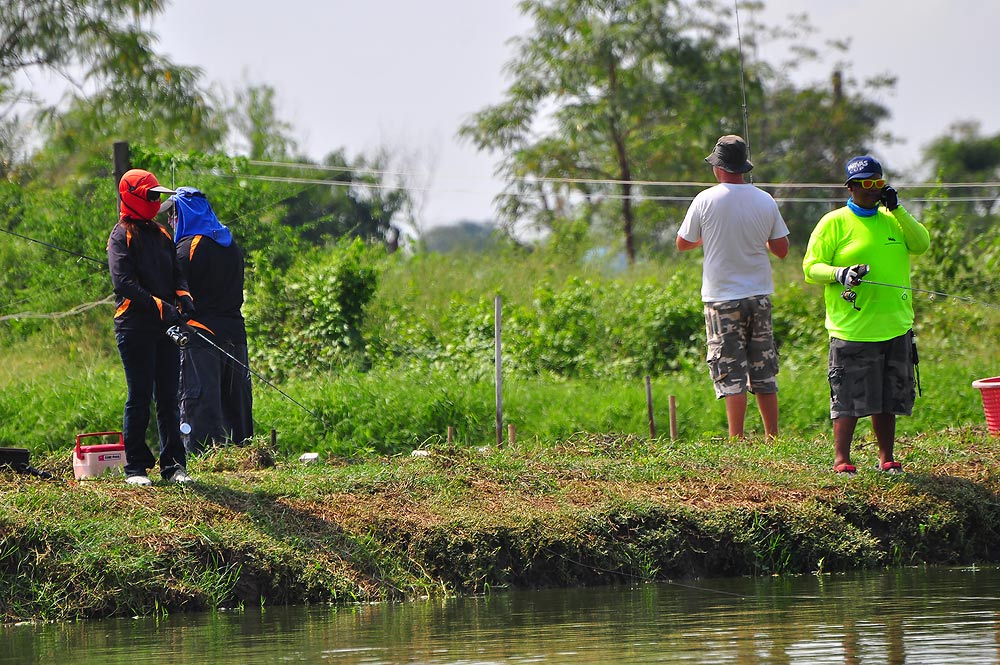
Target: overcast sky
404,75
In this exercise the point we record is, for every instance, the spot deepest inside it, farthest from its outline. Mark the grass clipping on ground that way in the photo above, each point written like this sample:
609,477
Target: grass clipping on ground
596,509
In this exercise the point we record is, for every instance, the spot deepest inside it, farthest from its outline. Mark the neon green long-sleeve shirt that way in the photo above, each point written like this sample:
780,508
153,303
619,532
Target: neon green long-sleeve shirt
885,242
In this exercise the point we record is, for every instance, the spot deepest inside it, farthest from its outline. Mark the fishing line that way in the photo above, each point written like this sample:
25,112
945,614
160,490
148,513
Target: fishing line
49,291
191,330
103,264
965,299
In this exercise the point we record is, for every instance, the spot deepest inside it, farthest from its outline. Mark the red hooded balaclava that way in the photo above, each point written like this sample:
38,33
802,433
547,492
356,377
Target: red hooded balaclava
139,194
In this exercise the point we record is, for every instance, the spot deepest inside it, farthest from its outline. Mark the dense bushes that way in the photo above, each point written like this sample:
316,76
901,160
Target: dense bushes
577,328
310,318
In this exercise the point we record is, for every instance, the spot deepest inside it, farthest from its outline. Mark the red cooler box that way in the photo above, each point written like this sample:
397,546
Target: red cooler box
97,459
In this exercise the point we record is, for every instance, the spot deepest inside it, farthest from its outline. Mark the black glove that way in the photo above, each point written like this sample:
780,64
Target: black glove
851,277
890,198
186,307
168,313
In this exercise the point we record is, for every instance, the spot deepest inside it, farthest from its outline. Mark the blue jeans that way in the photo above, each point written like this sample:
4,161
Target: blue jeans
152,368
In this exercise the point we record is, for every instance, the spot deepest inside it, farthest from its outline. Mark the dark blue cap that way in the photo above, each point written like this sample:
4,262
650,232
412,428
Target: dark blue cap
862,167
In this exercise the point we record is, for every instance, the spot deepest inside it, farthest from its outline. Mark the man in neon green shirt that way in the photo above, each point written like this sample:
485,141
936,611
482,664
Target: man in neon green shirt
870,326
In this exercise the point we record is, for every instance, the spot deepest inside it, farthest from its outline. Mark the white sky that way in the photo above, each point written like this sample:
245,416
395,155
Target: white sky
404,75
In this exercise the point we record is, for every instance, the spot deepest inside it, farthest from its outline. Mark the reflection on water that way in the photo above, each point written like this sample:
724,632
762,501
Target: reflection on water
937,615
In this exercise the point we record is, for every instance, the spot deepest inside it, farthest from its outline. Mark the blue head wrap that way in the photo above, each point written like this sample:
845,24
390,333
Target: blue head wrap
195,217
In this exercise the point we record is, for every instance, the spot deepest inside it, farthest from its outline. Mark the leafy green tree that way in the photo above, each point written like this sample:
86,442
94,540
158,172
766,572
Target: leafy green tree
356,203
255,119
59,35
965,155
807,134
119,86
601,90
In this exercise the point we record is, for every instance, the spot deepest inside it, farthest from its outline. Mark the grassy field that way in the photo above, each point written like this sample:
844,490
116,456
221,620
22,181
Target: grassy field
65,377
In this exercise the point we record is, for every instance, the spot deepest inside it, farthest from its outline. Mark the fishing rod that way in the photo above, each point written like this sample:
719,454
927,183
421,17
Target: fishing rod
181,333
743,83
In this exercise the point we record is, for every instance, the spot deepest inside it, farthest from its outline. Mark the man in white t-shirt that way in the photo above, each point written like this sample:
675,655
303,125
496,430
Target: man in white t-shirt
737,224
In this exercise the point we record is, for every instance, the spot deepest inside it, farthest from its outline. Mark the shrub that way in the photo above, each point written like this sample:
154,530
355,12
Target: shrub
309,319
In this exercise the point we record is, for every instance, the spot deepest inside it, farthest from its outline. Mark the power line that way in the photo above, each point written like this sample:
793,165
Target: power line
612,196
564,180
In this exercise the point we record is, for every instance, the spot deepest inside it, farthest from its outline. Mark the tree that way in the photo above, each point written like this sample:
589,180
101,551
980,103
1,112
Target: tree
807,134
356,203
601,88
121,87
255,118
965,155
59,35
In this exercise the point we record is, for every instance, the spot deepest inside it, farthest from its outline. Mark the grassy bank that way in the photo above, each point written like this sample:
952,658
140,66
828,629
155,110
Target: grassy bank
259,528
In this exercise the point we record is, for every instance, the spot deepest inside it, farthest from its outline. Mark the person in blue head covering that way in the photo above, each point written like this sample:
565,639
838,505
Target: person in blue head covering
216,401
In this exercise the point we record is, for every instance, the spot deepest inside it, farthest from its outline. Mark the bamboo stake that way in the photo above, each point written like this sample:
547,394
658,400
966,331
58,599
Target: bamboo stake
499,376
649,409
673,418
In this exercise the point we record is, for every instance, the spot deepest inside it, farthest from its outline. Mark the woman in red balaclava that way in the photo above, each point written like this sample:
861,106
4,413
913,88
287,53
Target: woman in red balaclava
149,288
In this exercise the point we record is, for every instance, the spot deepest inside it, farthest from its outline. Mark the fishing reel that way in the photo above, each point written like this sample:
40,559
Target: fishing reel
178,336
849,294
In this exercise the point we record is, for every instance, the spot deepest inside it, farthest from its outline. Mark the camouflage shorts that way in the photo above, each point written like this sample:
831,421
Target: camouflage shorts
741,351
871,377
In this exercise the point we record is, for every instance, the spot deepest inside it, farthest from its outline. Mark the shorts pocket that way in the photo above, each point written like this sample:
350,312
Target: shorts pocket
716,368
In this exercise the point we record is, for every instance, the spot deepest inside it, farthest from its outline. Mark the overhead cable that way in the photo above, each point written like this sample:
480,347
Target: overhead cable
591,181
605,196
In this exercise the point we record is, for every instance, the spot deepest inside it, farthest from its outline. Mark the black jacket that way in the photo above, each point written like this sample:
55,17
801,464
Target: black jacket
143,265
215,276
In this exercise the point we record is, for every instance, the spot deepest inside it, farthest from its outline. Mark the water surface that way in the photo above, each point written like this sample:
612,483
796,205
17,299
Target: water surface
925,615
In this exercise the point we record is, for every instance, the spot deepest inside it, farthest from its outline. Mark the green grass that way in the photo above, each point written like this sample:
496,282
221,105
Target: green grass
66,379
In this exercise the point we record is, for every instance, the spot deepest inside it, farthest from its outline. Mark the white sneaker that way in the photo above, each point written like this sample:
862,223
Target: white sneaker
181,476
138,480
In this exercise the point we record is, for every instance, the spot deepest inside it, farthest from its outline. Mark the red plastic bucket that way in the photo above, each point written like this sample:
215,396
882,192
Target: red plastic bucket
990,389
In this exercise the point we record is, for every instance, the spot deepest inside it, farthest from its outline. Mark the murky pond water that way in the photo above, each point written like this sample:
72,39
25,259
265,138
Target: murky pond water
925,615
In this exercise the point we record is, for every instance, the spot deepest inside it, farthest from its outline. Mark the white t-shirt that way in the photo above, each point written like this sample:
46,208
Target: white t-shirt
734,221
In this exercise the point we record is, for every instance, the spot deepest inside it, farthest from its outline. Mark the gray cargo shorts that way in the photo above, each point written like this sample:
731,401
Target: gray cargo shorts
872,377
741,351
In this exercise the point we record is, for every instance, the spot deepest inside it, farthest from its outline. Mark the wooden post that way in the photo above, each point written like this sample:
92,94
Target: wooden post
499,376
274,438
122,162
451,434
649,409
673,418
511,434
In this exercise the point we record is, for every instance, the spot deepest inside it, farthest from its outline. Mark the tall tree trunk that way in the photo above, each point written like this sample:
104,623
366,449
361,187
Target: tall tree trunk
625,171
